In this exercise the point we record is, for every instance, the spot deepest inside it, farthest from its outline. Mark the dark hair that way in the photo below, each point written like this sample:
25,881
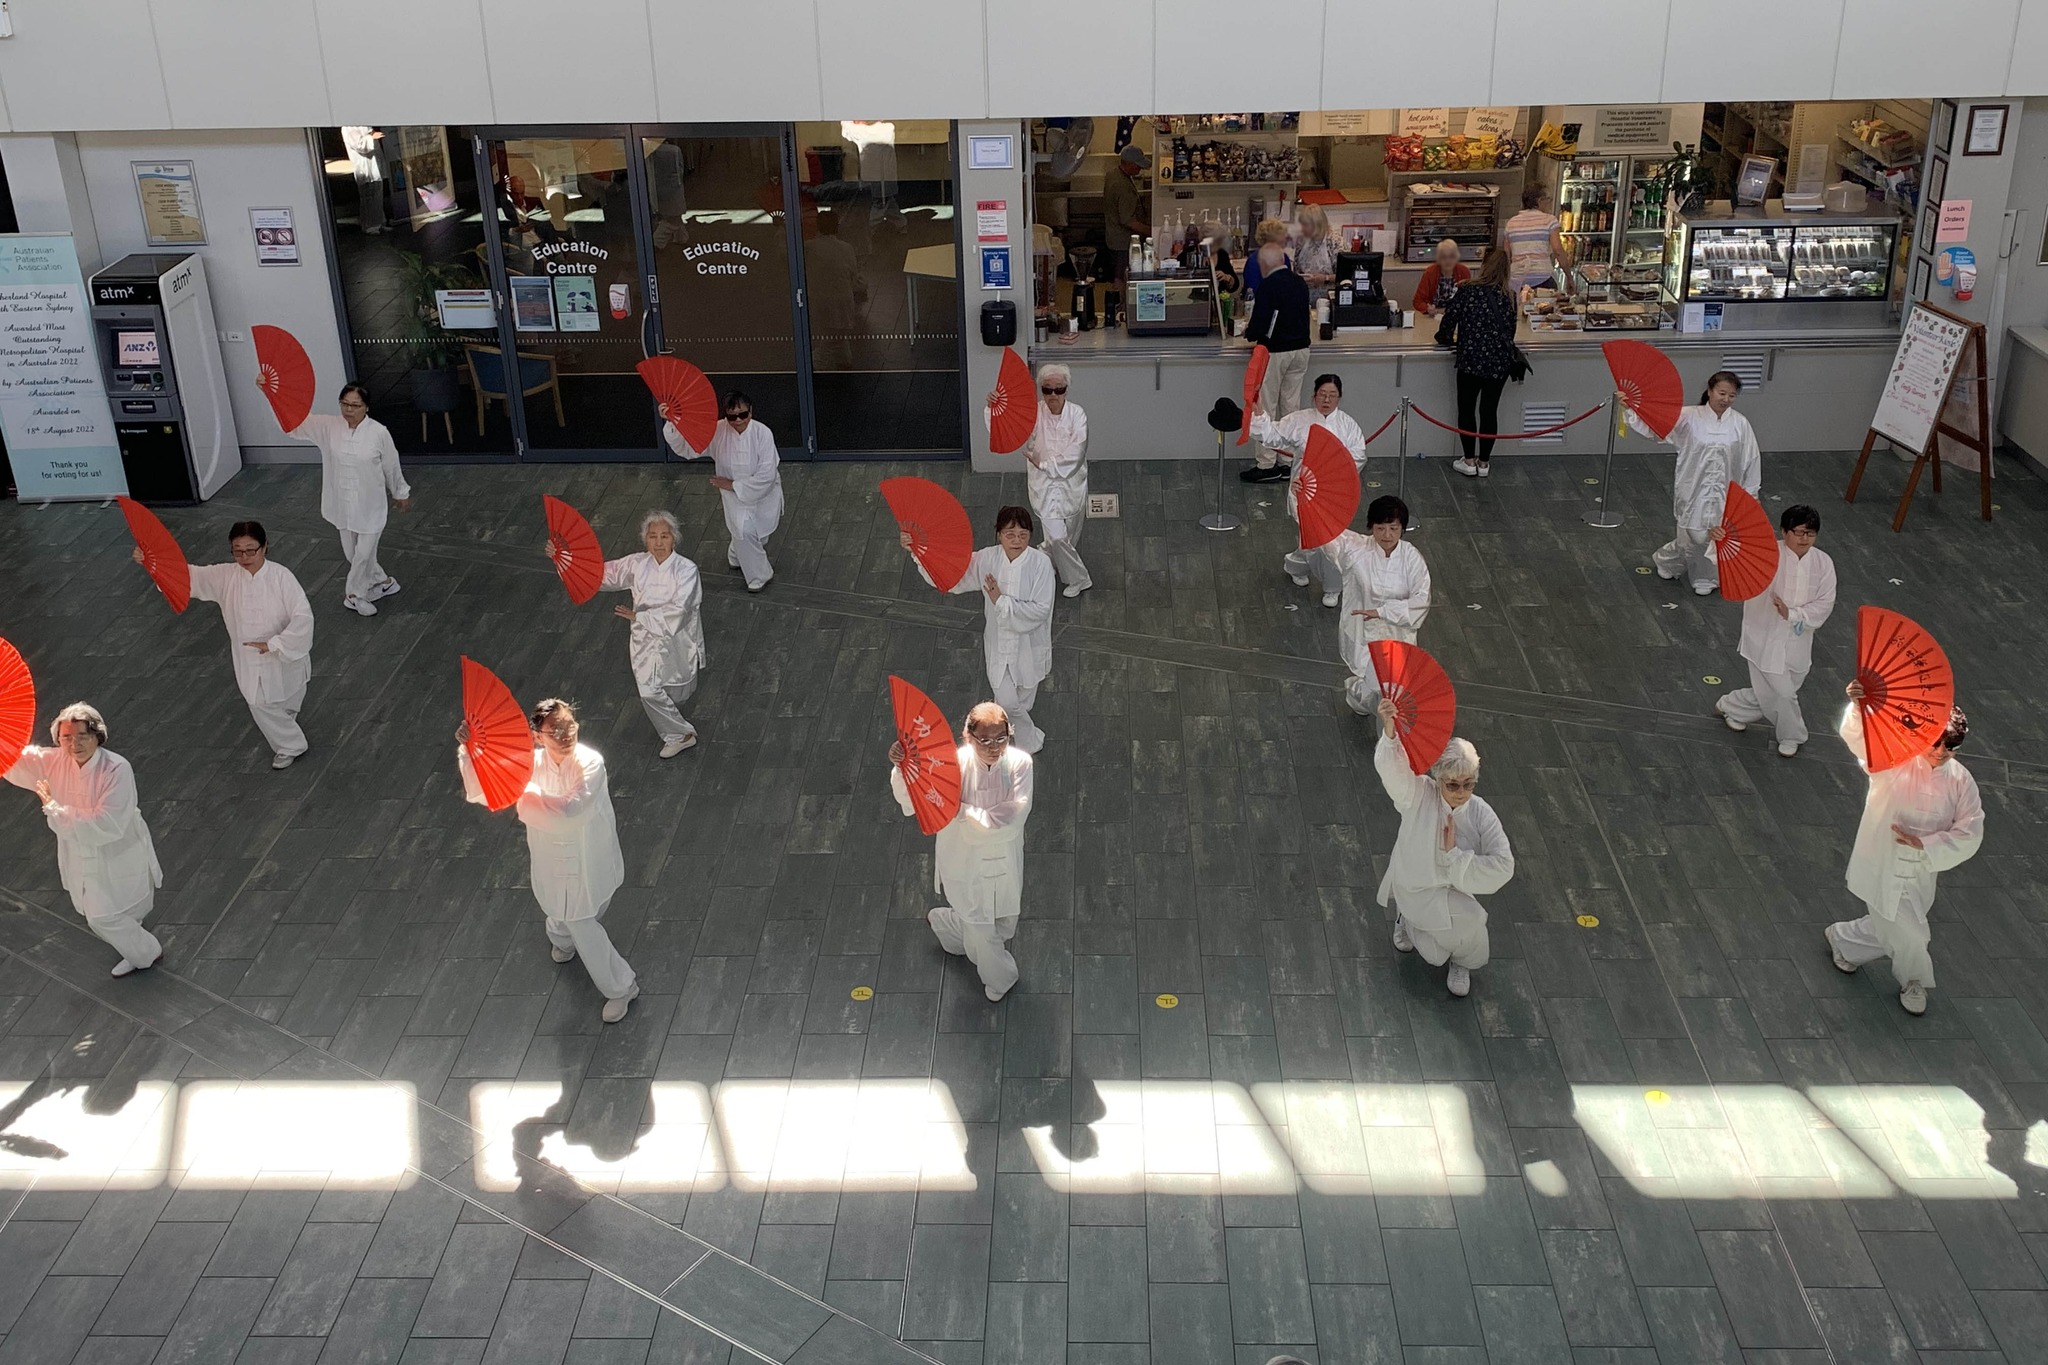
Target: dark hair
735,399
544,711
1493,270
1533,196
357,389
1720,377
1798,515
1006,517
1387,508
1332,380
1957,730
251,529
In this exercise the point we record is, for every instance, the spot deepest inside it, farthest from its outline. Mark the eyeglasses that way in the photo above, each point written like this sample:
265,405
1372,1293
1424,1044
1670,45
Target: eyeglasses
564,730
990,741
1458,784
354,406
246,554
1047,388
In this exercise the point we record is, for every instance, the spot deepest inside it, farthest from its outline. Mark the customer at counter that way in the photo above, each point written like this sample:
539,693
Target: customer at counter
1280,323
1480,325
1534,241
1125,213
1439,282
1269,230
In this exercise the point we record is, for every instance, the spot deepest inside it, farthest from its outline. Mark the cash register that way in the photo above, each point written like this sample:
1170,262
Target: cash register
1357,299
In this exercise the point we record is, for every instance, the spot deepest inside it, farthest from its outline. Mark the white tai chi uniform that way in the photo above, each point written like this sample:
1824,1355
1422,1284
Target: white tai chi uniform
1713,452
1431,888
1895,880
1016,642
753,505
572,839
270,606
358,471
1290,434
1397,586
980,862
1056,479
1779,650
104,853
667,640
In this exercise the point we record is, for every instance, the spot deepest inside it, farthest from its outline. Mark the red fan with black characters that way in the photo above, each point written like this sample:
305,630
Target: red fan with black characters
1908,687
574,548
1647,381
500,742
1013,416
1425,703
285,374
1254,376
931,760
17,705
684,396
1747,555
1325,488
941,537
161,554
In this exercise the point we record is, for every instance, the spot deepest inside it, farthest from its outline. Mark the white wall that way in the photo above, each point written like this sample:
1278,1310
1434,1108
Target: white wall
983,361
126,64
2026,279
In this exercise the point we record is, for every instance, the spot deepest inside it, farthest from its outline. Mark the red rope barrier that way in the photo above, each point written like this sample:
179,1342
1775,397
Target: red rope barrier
1383,427
1508,435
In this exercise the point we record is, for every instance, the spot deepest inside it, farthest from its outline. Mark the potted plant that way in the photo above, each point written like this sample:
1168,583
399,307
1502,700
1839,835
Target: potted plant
432,351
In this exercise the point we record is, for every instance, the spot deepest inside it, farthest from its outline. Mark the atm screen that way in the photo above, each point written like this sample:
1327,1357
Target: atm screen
136,348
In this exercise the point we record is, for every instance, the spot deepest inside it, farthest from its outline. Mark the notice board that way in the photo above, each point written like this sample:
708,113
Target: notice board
53,401
1923,372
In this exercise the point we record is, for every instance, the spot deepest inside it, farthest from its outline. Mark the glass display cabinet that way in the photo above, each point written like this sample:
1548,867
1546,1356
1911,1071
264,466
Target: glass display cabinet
1772,270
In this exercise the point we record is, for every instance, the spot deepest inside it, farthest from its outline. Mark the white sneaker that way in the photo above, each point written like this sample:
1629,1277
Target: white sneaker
279,762
992,993
756,587
126,968
1459,980
1075,590
1786,748
358,605
1703,589
1842,964
1331,599
1299,580
561,954
676,746
1469,468
388,588
1667,577
1402,943
1737,726
1913,999
615,1010
1486,471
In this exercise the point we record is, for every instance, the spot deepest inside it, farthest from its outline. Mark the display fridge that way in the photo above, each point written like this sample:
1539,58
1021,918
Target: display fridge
1763,269
1611,209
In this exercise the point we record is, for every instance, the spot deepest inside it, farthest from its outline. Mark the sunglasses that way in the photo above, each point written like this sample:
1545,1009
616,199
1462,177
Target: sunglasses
1047,388
738,416
1459,784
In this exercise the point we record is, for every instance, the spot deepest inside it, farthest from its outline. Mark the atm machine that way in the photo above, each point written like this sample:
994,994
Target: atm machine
152,321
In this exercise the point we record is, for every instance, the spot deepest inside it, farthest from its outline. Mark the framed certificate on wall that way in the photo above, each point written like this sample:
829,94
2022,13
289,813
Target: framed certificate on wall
1984,134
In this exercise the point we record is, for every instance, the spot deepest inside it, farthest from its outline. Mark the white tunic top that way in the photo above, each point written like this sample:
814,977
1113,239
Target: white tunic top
1939,805
572,836
979,857
1429,882
104,853
358,470
667,640
1396,586
1713,452
1806,585
1290,434
268,605
1056,463
753,505
1018,633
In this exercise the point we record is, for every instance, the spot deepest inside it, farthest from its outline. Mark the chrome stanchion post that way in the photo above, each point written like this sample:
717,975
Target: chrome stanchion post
1218,520
1401,484
1606,518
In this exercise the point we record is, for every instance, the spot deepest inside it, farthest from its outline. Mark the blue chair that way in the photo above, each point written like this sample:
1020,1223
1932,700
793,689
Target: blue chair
487,377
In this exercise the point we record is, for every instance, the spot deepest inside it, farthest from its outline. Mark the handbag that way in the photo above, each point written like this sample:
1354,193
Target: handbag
1518,362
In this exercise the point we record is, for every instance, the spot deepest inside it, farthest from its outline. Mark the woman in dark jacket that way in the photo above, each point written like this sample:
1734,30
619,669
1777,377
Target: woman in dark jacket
1480,324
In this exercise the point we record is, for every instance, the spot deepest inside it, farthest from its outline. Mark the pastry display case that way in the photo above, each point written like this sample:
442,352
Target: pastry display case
1770,269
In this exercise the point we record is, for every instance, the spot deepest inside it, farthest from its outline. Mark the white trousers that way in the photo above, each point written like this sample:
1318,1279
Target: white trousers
1903,940
1316,566
749,554
279,722
1362,695
610,973
1770,697
1464,944
663,706
982,944
1689,555
1280,394
1063,543
123,931
1016,699
359,548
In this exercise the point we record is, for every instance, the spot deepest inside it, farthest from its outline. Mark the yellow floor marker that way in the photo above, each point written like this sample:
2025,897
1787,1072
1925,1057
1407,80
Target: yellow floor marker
1166,1002
863,992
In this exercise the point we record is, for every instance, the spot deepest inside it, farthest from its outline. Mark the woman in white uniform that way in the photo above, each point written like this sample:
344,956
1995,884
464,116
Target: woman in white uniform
979,857
1777,634
270,635
358,470
748,477
1290,434
1056,474
1920,819
1715,448
1386,595
1016,582
667,640
572,838
1451,848
104,853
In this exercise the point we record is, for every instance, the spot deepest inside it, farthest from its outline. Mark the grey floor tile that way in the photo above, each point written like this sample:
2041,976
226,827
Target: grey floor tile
1931,1298
1689,1324
308,1293
1269,1290
57,1318
1184,1238
1499,1235
1593,1289
1029,1233
159,1279
1522,1324
1106,1298
469,1286
1760,1289
265,1228
742,1305
535,1322
1191,1322
946,1294
214,1321
612,1308
1027,1324
1433,1301
376,1319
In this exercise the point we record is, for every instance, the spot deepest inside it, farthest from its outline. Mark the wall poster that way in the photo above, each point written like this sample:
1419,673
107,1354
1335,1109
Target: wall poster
533,303
53,402
169,194
277,241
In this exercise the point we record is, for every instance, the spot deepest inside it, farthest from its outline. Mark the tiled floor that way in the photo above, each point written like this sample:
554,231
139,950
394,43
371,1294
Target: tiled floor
359,1116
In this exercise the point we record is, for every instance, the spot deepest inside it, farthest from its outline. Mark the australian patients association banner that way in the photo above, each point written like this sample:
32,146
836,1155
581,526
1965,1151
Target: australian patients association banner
53,403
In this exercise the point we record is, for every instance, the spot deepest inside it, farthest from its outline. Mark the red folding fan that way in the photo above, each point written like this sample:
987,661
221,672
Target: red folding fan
1254,376
1425,704
1748,554
1325,488
285,374
931,761
161,554
1647,381
574,548
17,705
1908,687
1013,416
684,396
500,742
941,537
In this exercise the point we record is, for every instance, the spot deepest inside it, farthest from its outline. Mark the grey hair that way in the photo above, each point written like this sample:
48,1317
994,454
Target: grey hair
1460,760
1052,369
85,715
674,527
